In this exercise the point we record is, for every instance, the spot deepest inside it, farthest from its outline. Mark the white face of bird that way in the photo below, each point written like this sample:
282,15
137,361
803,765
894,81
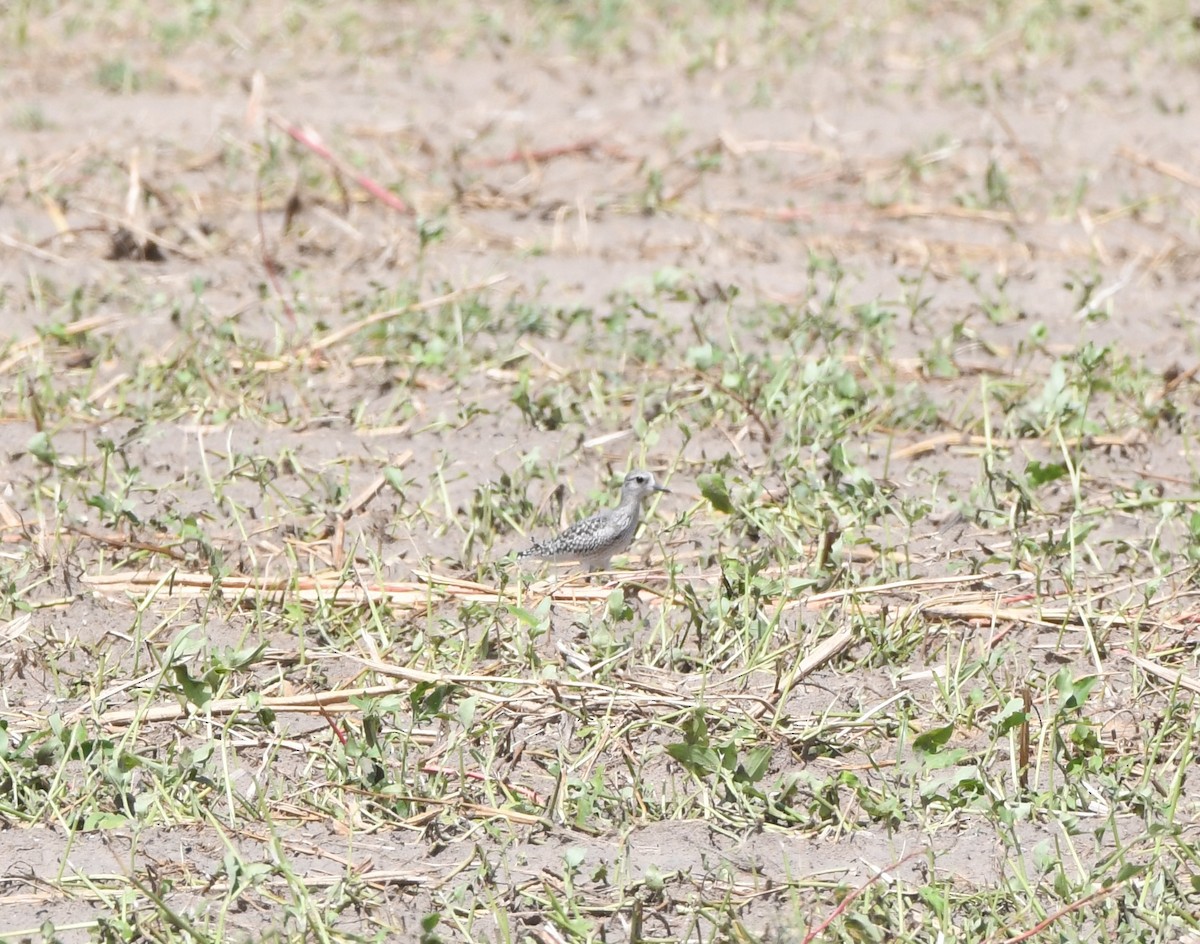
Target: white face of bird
641,484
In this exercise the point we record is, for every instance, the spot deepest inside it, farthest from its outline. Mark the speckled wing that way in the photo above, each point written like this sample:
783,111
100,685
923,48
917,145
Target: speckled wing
597,537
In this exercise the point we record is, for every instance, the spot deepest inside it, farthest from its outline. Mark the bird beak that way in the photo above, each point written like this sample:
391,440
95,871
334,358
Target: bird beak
662,488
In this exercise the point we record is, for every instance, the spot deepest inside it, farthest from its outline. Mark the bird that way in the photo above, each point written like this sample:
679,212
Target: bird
594,540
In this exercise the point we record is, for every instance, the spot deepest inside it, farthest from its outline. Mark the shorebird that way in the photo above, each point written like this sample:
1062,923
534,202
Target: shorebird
593,541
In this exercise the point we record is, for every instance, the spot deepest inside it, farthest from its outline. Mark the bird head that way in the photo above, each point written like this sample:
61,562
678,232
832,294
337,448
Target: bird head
639,484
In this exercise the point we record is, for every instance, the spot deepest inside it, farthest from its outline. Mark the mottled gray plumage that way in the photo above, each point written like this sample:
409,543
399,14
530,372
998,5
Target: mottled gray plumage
593,541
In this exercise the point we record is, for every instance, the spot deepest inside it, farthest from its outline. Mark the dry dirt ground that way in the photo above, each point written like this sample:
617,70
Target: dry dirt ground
918,286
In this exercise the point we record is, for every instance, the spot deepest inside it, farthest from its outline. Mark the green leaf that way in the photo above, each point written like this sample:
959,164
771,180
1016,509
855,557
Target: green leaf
104,821
1039,474
574,856
754,764
1073,692
429,933
618,607
236,659
943,759
1011,715
1194,524
530,619
935,899
713,487
466,711
695,728
698,760
1129,870
426,699
703,356
727,757
41,448
954,787
196,692
933,740
395,478
185,645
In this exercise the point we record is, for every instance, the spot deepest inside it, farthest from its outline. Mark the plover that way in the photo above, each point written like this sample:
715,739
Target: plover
593,541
